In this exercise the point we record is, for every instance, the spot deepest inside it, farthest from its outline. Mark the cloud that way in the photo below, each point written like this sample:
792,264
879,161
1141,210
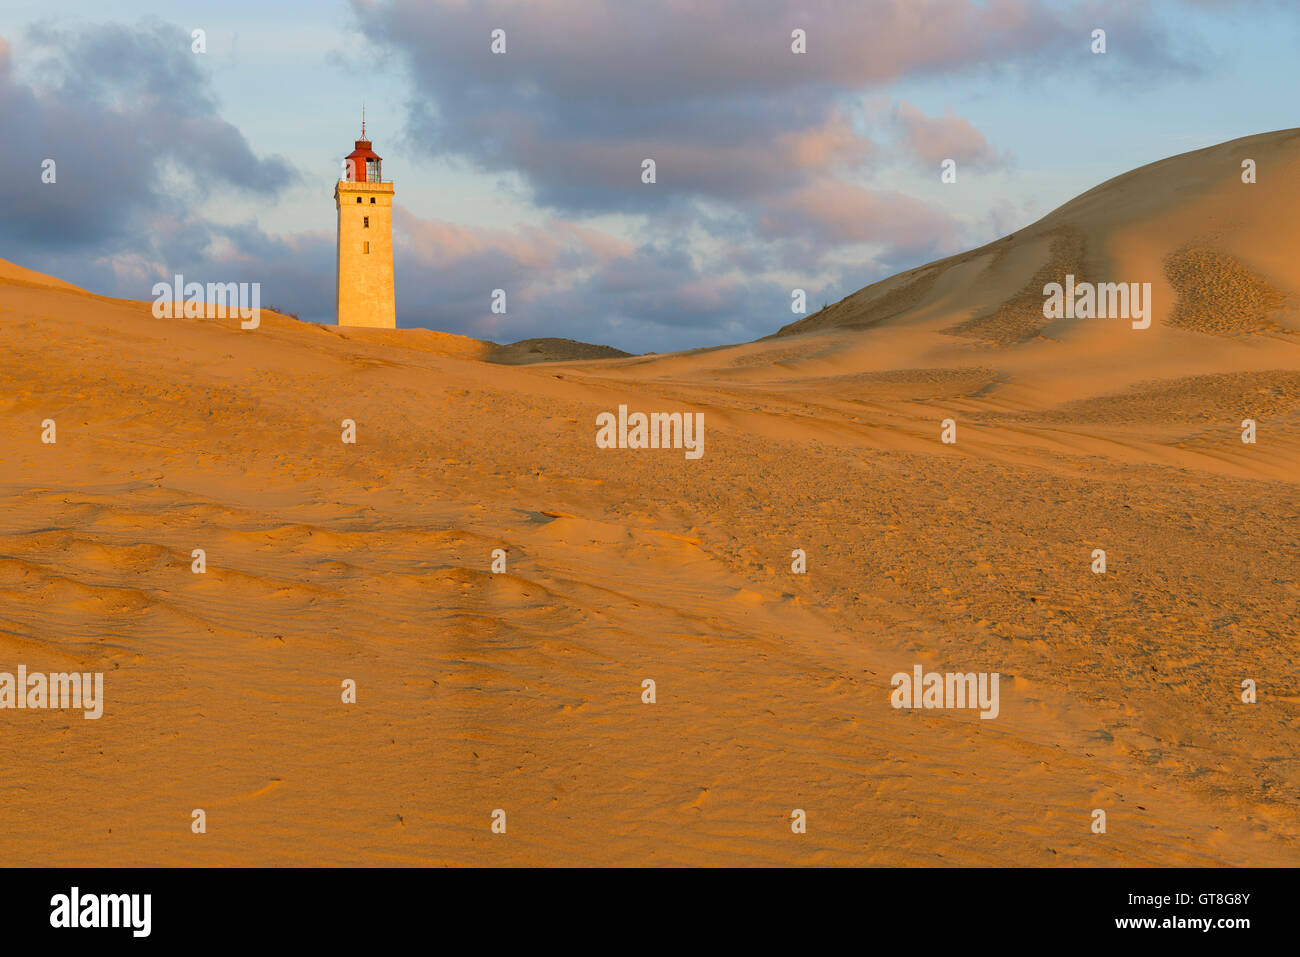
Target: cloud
125,115
935,139
588,88
840,212
564,279
676,51
557,245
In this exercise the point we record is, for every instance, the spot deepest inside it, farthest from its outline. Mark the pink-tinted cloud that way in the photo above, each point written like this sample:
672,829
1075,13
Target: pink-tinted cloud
555,245
933,139
839,212
833,144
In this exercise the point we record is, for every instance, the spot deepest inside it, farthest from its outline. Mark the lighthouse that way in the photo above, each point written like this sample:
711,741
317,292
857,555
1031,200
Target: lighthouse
364,285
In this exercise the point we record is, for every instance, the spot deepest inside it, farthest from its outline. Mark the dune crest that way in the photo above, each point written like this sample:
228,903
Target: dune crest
1241,236
11,273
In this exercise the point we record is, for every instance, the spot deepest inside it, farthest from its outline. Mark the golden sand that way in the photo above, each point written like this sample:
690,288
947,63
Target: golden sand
522,691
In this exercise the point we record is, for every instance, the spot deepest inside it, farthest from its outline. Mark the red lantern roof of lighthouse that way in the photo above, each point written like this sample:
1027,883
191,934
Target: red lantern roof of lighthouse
363,151
357,159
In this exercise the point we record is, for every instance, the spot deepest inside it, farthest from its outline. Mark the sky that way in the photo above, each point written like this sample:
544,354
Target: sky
522,170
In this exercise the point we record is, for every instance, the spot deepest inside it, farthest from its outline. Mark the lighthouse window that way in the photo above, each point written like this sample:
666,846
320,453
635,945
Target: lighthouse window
358,200
365,222
365,247
372,201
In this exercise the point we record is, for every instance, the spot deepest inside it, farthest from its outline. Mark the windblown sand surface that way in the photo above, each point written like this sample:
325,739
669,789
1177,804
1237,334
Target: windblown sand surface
522,691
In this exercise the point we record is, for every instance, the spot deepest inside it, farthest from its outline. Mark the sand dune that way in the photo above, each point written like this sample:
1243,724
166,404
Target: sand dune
526,351
1188,224
522,690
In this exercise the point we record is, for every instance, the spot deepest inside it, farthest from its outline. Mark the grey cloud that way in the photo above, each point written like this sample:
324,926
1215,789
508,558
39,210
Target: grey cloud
586,90
124,113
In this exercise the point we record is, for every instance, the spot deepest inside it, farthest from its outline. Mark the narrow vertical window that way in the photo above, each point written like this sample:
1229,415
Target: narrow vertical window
365,222
365,247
